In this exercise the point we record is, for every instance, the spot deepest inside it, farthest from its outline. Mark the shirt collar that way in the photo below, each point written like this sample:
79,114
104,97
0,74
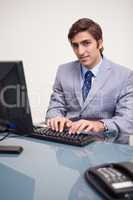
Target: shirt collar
94,70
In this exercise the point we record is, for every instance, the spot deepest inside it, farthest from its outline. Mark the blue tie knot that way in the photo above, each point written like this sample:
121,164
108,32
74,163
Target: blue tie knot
88,75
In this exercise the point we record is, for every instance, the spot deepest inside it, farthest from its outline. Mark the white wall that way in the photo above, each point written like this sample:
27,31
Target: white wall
35,31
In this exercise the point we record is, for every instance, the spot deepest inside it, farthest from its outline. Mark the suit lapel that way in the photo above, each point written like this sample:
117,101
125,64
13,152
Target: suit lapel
100,80
77,83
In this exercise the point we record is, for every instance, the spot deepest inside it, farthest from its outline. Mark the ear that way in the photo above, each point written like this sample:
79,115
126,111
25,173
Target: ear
100,44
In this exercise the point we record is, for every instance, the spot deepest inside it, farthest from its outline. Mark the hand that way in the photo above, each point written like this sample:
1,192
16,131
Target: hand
58,123
86,125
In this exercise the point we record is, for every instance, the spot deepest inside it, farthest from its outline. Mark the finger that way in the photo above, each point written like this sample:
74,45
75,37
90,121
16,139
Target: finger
89,128
68,123
48,123
51,124
82,128
62,124
74,127
56,124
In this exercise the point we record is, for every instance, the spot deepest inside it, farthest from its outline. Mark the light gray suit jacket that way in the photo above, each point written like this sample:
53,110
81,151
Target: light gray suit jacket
110,98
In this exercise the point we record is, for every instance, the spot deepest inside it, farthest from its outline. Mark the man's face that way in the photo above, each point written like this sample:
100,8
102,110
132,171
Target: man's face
86,49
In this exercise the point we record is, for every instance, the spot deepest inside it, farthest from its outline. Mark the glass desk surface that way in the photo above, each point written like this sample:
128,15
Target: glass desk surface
52,171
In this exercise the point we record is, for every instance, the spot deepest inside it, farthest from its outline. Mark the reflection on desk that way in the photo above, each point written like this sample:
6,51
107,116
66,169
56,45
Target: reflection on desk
15,185
82,159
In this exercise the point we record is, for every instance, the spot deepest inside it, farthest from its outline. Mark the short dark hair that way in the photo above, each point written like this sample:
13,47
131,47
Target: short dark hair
86,24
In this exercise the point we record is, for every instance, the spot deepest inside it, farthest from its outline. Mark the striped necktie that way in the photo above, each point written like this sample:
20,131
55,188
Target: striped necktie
87,84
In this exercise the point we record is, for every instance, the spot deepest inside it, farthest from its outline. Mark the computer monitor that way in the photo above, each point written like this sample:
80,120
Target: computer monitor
14,104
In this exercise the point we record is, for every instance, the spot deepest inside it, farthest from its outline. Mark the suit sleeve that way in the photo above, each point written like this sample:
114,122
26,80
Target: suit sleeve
57,105
122,121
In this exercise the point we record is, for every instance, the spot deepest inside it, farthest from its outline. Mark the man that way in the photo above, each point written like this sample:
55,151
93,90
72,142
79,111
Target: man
92,93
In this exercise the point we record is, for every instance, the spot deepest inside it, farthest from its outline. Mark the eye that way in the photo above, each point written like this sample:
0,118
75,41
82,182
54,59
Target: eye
74,45
86,43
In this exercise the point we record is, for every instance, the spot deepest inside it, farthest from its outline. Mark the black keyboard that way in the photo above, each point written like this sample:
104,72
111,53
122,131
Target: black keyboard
62,137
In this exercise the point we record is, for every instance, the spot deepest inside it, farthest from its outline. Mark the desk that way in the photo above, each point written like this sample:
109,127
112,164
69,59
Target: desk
52,171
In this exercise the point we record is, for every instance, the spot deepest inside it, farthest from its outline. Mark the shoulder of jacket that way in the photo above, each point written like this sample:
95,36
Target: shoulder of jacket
118,67
69,64
68,67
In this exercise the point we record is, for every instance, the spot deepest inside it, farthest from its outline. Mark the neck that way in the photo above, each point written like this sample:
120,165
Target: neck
98,59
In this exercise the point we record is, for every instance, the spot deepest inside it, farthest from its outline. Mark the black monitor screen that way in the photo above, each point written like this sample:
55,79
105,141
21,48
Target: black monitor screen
14,104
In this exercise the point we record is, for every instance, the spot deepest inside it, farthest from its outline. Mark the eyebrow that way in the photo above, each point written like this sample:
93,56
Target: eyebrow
83,41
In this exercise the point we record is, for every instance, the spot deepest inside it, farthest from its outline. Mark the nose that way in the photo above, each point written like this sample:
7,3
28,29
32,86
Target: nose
81,50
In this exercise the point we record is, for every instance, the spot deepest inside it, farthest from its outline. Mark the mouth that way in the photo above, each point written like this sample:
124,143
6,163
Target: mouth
84,58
